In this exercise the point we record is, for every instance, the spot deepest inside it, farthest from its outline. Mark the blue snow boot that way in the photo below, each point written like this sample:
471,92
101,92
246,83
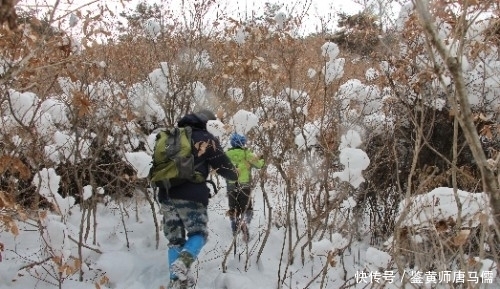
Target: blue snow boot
173,253
181,266
191,249
178,284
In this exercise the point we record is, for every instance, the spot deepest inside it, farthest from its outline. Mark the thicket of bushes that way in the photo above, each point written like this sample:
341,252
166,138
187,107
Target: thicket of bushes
414,155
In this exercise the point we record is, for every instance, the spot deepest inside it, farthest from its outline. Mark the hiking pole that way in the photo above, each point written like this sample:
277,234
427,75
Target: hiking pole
235,239
234,248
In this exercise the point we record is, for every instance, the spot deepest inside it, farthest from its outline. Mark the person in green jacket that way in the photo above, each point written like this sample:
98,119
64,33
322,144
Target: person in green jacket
239,193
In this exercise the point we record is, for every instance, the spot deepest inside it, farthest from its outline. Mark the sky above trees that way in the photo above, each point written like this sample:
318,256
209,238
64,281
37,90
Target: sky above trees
314,13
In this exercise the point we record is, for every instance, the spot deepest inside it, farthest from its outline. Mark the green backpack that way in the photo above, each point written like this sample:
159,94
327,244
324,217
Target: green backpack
173,159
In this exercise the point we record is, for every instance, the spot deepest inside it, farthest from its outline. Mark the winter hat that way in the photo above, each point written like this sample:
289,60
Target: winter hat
205,115
238,140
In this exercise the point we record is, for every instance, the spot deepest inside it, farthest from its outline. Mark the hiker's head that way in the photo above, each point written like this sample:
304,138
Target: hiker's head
197,119
205,115
238,140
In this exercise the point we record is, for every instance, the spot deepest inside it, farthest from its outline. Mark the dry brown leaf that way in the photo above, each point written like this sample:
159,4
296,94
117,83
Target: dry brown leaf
5,201
220,114
331,259
486,131
62,269
461,238
228,128
70,270
57,260
483,218
77,263
483,117
269,124
42,215
22,215
104,280
14,165
14,229
472,262
82,103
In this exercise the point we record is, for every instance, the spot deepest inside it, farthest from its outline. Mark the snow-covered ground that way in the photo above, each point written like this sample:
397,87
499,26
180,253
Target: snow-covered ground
140,265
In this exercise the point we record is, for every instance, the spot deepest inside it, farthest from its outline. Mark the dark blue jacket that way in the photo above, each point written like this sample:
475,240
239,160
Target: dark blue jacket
212,156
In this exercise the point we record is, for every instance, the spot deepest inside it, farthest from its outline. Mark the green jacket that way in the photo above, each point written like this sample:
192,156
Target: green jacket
244,160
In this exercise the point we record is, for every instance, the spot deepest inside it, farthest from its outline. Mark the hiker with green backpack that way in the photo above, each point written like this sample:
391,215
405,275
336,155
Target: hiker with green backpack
184,199
239,192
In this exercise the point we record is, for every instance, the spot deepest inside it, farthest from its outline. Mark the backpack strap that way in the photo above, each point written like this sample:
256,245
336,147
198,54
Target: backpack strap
213,186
